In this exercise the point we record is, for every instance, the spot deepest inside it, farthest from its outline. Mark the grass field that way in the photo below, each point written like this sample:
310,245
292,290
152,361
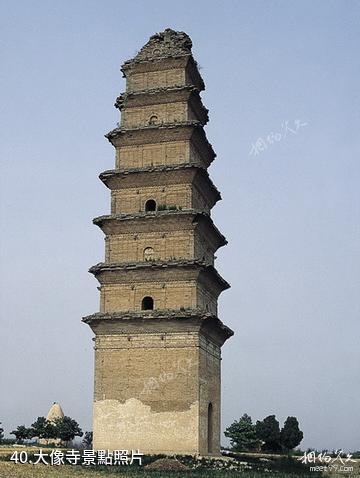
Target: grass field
10,469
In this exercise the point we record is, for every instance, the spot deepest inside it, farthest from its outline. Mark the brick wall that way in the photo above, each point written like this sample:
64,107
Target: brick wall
172,152
155,79
132,200
170,295
155,114
131,247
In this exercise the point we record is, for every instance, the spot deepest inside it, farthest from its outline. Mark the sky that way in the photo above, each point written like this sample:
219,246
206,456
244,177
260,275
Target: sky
282,88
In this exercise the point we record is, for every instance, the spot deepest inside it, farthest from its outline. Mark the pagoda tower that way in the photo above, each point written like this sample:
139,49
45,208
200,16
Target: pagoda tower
157,336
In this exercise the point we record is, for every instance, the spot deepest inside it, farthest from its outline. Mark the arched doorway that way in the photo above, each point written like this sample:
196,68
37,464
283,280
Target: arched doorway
150,205
210,429
147,303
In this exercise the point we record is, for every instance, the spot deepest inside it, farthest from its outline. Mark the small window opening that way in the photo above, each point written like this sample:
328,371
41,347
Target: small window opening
147,303
150,205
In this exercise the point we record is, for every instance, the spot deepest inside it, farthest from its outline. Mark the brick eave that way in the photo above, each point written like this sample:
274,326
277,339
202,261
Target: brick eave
107,176
206,318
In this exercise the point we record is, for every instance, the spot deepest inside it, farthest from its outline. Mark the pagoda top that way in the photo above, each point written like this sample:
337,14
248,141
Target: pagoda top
168,43
55,412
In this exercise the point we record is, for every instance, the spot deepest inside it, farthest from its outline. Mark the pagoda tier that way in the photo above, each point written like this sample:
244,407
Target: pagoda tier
153,70
161,321
165,144
172,234
175,104
171,284
176,187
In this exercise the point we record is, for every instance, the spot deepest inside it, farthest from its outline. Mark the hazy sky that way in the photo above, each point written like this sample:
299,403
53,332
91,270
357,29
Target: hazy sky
290,212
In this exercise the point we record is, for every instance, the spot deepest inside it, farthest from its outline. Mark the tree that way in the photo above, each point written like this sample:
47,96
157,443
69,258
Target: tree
242,434
21,433
88,439
268,431
67,429
290,435
1,433
42,428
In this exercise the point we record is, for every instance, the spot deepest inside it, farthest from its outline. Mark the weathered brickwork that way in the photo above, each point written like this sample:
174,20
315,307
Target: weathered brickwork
203,249
158,154
134,199
157,114
182,244
180,196
209,371
172,295
175,363
124,297
150,246
157,335
166,362
156,79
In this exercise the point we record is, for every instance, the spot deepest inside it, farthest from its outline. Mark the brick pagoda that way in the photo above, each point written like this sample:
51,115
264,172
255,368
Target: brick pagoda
157,336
